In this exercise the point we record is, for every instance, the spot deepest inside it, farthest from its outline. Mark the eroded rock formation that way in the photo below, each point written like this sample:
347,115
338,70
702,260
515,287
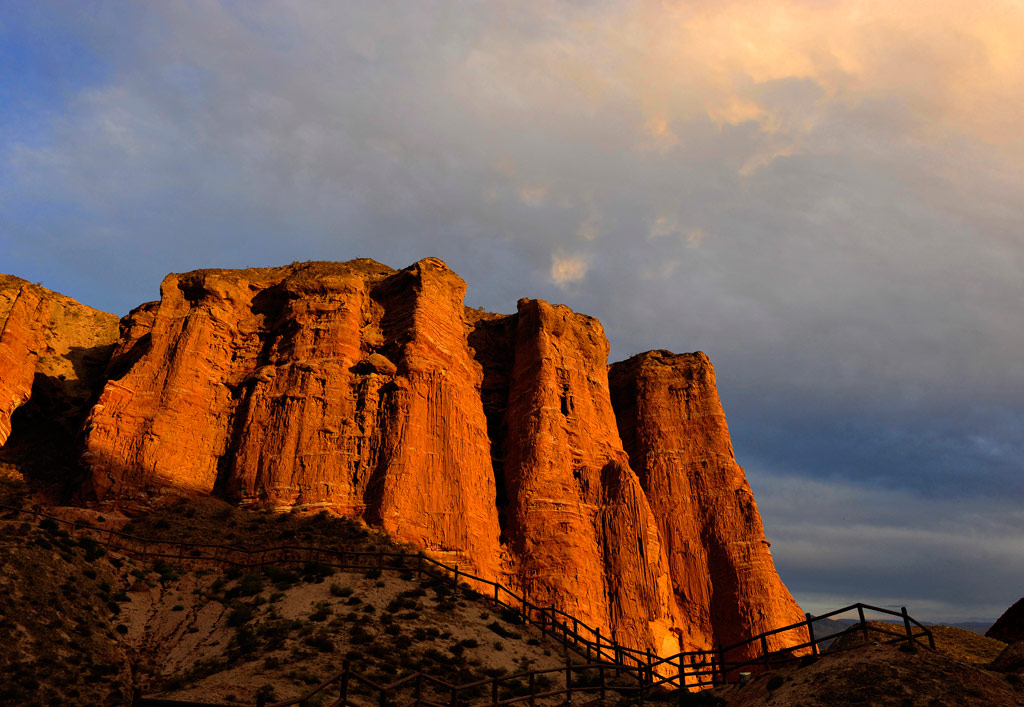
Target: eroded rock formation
492,441
674,430
53,351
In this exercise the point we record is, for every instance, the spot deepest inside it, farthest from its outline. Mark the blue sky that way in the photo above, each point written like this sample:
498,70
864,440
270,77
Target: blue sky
827,198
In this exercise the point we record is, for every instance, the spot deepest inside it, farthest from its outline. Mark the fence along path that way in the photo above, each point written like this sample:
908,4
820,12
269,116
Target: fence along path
702,668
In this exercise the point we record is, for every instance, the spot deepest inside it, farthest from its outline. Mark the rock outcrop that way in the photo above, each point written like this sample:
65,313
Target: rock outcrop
491,441
674,429
1009,627
53,352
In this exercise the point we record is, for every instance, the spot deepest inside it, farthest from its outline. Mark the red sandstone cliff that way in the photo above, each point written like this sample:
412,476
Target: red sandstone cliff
673,426
52,354
489,440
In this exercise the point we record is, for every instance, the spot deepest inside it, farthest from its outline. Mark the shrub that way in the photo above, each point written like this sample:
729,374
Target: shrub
511,616
316,571
373,573
280,577
502,631
339,591
321,641
245,641
323,610
249,585
241,614
775,682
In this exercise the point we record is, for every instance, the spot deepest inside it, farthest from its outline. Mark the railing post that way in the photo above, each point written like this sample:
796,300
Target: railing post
604,682
863,622
494,690
810,633
721,664
419,567
533,689
496,585
906,623
764,652
597,640
419,689
454,701
681,671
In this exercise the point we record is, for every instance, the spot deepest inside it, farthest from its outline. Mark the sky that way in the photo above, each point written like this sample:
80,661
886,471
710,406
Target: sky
825,196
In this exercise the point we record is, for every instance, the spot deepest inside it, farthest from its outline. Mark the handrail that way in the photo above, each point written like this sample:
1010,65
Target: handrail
712,668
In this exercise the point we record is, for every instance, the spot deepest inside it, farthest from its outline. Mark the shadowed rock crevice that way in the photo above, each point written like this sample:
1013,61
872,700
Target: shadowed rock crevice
491,340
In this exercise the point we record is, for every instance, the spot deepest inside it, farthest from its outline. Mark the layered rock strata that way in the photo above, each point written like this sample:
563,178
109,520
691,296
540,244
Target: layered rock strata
53,352
674,429
492,441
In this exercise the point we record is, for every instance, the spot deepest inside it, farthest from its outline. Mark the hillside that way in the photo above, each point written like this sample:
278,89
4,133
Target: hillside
879,676
94,625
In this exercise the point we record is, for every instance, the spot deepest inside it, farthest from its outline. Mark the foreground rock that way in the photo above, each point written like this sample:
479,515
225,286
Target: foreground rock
1009,627
492,441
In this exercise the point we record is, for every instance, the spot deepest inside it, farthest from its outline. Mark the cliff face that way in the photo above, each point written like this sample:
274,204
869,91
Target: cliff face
53,351
674,429
492,441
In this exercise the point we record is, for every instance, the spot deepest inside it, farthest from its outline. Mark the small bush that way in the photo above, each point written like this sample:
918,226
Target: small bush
323,610
373,573
249,585
320,641
502,631
316,571
241,614
339,591
775,682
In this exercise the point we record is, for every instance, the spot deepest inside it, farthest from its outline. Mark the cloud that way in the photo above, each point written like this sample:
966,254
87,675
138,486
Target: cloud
827,197
839,543
567,269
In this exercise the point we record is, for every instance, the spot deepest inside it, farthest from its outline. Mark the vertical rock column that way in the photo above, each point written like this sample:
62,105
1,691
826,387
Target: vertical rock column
673,427
298,439
578,525
166,421
434,484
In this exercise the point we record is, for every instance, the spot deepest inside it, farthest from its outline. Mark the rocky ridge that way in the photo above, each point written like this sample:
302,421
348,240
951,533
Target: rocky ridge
502,443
